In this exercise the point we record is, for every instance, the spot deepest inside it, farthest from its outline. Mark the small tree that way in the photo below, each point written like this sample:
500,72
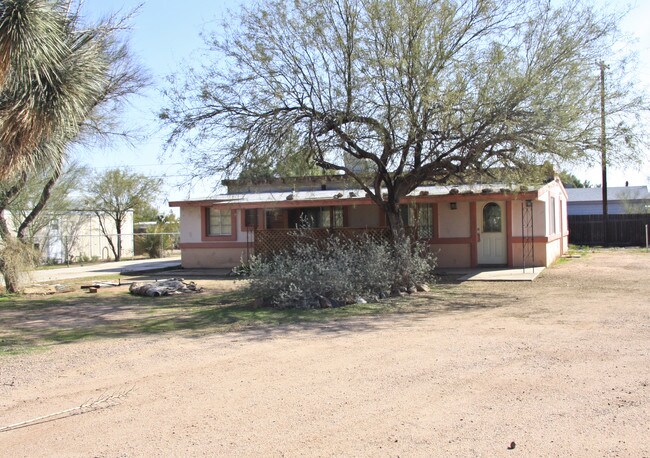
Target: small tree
163,236
112,195
70,230
571,181
634,202
44,197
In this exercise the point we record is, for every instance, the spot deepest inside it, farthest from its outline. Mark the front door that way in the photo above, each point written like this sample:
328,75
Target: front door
491,232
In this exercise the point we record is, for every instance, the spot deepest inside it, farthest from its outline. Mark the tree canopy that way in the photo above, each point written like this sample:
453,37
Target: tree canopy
394,93
113,194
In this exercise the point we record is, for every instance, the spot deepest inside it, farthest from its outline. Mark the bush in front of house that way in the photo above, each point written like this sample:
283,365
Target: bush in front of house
338,270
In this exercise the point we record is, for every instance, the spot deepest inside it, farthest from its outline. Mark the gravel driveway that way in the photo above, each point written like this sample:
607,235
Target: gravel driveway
559,366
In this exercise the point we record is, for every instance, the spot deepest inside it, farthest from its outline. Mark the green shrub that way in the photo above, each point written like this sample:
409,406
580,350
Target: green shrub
337,268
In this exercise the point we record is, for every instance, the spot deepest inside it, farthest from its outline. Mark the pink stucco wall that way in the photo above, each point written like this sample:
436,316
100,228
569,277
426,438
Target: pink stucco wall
454,237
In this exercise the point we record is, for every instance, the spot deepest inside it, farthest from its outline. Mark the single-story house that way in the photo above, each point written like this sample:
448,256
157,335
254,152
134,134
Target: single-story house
467,225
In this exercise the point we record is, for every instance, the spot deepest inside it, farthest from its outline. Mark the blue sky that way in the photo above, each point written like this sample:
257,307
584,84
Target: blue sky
165,38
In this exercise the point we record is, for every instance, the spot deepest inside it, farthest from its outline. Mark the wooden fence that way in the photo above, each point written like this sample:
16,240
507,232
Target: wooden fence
622,230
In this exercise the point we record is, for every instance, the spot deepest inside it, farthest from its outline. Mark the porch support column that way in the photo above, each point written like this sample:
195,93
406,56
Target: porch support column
473,247
509,238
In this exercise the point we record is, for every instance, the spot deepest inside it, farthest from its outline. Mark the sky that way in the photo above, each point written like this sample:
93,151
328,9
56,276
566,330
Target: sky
166,38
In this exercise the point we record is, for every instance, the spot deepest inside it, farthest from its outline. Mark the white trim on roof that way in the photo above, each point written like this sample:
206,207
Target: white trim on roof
348,194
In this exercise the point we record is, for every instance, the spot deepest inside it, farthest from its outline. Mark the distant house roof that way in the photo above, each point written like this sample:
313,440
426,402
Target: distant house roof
578,195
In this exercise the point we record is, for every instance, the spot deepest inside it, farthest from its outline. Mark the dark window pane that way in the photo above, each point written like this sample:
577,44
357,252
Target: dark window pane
492,218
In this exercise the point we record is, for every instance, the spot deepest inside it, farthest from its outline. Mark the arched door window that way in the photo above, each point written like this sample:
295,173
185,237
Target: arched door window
492,217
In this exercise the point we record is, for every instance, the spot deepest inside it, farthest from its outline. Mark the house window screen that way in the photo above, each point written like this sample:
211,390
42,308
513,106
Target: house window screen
425,221
325,217
219,222
492,218
275,218
250,217
337,213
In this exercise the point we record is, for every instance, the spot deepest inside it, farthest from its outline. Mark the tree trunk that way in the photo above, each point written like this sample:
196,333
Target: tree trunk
102,227
12,284
118,229
40,205
395,224
10,264
394,219
401,246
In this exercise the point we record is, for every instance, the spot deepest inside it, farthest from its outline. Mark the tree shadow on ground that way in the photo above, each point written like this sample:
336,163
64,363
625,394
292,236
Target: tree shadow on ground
29,322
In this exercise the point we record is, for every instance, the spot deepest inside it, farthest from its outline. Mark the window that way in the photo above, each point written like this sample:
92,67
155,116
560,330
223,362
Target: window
275,218
219,222
325,217
552,224
492,218
425,221
329,217
420,216
250,218
337,212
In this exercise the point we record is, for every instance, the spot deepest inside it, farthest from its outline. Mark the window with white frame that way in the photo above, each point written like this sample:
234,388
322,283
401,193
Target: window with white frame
219,222
552,218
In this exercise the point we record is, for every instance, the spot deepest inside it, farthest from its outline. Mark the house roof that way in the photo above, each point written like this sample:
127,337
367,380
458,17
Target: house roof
351,196
577,195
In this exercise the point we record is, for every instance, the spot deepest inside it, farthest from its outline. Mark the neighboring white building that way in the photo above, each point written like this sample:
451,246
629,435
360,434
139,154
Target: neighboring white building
621,200
77,235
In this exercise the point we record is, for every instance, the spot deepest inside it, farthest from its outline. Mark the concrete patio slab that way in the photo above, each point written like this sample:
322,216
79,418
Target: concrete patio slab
494,274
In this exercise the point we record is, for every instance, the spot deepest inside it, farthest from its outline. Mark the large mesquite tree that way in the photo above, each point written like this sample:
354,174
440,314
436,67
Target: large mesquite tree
406,91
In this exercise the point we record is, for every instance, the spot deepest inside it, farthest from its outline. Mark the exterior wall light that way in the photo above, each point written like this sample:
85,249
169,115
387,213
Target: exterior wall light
529,203
453,205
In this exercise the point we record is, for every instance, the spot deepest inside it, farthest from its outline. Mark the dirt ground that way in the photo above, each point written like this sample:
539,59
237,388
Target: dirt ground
559,366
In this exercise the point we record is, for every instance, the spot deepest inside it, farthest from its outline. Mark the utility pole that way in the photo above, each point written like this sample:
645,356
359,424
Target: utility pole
603,149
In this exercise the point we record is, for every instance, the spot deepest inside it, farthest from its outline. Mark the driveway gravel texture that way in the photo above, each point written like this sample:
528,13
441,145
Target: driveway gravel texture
556,367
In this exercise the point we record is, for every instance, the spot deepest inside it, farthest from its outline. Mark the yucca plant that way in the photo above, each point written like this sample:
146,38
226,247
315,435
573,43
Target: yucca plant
52,75
61,81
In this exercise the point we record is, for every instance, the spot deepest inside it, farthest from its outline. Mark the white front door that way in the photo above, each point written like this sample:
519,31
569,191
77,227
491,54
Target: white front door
491,233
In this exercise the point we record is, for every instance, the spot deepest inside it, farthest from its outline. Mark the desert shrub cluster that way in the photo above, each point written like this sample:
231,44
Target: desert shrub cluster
338,270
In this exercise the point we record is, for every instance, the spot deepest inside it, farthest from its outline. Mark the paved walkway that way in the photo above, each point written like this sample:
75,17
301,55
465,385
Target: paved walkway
171,267
494,273
106,268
